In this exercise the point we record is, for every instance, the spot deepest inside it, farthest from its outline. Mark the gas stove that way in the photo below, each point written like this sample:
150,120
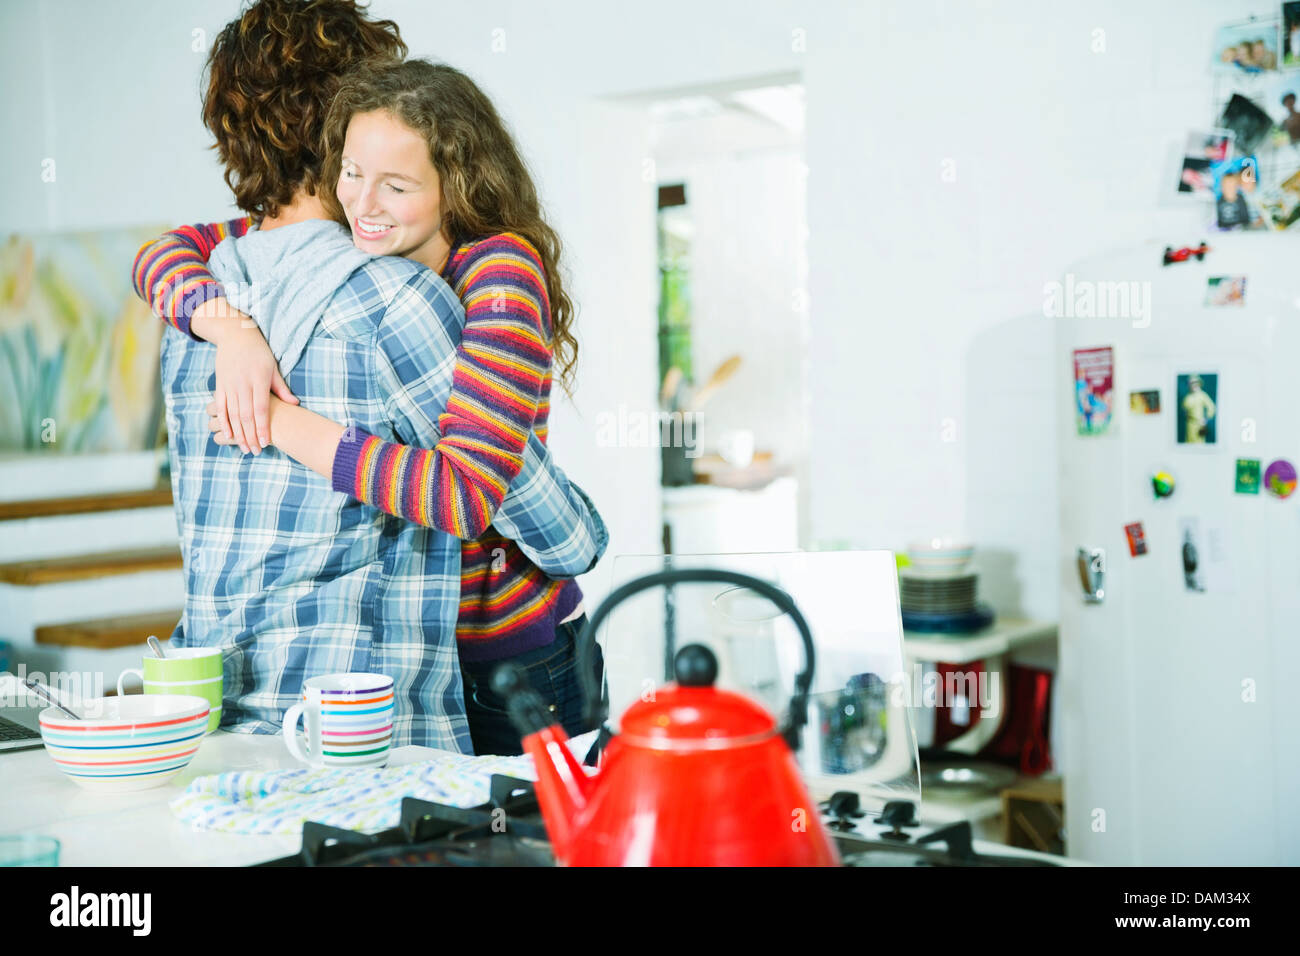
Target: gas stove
508,831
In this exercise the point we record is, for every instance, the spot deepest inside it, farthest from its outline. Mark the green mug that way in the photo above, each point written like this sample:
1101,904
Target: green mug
185,670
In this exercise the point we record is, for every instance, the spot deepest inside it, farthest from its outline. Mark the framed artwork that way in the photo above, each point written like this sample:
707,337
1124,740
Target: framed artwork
78,349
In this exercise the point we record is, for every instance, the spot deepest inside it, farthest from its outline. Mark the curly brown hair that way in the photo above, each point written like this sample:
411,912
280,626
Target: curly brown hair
270,77
486,187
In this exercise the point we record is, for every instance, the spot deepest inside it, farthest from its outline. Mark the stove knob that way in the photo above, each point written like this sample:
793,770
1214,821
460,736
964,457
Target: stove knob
898,813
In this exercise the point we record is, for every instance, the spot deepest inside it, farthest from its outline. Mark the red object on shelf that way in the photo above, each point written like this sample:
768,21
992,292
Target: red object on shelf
1024,739
953,718
697,777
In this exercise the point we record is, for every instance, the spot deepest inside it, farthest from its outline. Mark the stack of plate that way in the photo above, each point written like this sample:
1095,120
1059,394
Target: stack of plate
937,589
937,593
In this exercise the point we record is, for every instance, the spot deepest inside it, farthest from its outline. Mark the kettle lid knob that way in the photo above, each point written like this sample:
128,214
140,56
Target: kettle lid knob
695,666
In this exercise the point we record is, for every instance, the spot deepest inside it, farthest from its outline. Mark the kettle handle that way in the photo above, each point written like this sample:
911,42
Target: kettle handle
803,682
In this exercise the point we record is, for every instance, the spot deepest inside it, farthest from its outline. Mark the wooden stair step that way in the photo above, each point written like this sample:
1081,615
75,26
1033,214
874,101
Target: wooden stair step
85,504
81,567
109,632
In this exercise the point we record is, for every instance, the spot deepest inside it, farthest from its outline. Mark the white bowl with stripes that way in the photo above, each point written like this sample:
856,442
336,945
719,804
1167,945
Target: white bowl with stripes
126,743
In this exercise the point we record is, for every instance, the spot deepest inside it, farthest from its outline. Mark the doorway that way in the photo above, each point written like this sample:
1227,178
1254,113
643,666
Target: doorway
732,332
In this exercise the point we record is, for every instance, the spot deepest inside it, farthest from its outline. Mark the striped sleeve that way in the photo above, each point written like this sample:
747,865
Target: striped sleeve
171,272
503,360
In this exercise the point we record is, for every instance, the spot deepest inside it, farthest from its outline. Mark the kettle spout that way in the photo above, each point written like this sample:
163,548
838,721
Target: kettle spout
563,789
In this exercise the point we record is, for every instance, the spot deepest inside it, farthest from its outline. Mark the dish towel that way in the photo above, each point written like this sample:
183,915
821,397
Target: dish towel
281,801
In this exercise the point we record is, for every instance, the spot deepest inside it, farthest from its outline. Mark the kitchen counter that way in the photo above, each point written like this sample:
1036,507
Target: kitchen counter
139,829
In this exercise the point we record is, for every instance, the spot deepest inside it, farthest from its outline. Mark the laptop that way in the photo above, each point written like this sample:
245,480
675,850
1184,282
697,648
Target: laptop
19,729
19,710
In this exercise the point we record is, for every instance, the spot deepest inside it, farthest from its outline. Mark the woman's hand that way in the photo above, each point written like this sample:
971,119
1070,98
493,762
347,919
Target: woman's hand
247,375
217,424
303,435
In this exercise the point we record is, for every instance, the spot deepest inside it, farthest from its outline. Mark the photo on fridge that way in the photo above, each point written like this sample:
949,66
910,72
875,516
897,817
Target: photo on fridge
1197,401
1202,152
1280,98
1281,201
1246,47
1291,35
1235,207
1250,123
1225,290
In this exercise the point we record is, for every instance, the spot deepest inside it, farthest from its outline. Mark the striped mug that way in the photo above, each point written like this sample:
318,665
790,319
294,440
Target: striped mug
185,670
349,721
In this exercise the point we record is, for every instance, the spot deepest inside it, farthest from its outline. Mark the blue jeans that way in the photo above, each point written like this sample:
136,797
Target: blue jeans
552,671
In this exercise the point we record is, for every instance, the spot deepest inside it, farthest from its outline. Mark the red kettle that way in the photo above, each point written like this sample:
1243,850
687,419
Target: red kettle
698,776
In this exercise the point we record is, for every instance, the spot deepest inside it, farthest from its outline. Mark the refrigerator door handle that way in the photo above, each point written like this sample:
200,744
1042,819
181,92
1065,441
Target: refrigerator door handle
1092,572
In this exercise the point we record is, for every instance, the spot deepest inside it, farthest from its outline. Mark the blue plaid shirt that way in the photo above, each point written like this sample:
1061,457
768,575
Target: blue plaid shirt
294,580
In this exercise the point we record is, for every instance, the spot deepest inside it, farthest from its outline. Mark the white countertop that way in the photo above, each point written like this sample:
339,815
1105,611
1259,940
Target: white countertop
139,829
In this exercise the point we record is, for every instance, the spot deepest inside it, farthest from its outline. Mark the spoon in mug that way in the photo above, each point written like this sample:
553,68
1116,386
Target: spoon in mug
155,646
31,684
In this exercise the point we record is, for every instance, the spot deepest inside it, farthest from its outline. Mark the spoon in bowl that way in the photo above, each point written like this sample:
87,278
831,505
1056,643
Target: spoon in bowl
32,684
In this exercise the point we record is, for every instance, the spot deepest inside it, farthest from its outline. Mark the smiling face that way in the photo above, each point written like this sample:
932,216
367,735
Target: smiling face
390,192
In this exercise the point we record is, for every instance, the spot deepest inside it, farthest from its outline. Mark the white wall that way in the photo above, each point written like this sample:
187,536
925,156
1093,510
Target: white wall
925,295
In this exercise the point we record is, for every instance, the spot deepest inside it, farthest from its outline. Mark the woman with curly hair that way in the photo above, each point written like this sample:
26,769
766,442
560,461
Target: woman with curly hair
416,162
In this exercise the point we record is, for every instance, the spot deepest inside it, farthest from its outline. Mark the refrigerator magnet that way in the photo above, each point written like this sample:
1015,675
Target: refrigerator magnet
1094,389
1247,476
1137,539
1279,478
1193,574
1145,402
1162,483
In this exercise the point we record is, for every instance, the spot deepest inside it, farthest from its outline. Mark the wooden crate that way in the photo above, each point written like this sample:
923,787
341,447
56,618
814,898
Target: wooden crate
1033,816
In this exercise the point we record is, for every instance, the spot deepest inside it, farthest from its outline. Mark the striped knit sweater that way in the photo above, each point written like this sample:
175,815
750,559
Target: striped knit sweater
501,388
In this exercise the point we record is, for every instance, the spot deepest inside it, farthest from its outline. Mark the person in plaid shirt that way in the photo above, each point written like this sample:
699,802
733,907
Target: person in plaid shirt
289,578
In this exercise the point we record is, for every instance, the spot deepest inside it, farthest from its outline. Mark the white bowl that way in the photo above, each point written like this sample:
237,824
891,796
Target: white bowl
940,555
940,545
125,743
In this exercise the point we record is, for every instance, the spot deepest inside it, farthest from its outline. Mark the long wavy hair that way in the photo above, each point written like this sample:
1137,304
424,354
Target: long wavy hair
271,75
486,187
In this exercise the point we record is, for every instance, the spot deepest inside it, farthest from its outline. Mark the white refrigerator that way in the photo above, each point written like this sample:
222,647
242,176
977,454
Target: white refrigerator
1179,689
